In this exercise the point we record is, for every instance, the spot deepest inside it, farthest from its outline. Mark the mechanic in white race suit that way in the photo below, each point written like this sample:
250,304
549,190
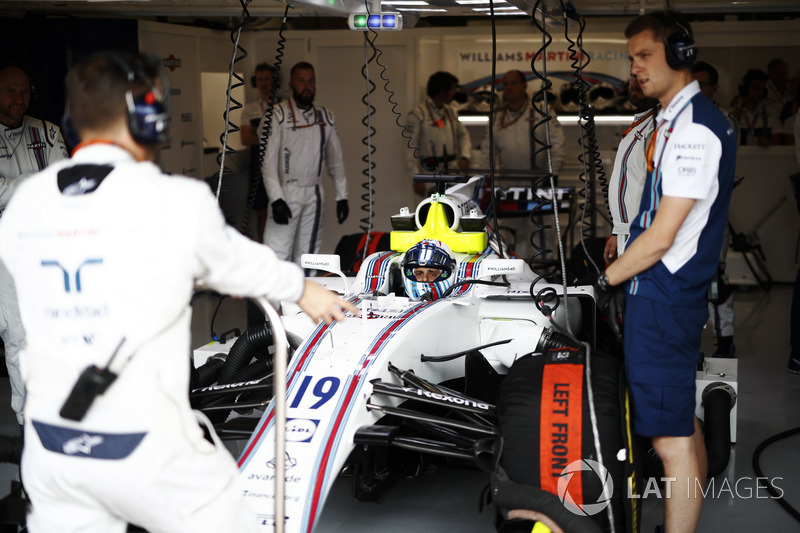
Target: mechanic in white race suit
303,137
630,170
437,139
513,124
27,145
111,270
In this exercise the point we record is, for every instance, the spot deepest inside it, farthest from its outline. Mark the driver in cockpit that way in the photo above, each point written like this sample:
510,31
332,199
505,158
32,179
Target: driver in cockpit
428,267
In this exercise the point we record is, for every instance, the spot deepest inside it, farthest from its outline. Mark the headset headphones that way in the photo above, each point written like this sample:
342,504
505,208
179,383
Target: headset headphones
148,116
679,46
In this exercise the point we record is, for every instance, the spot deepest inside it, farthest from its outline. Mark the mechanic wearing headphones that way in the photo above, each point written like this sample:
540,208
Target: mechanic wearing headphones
104,287
27,145
303,136
672,255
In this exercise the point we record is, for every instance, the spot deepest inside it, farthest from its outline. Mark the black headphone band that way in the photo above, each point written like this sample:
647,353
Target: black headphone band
147,113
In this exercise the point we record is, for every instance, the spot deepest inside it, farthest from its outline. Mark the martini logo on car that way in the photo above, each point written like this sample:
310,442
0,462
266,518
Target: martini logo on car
300,429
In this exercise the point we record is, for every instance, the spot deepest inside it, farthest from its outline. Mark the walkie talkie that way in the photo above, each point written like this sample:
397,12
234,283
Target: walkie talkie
93,382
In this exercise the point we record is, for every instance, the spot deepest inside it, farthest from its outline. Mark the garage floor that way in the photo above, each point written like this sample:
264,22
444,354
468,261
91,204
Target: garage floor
446,499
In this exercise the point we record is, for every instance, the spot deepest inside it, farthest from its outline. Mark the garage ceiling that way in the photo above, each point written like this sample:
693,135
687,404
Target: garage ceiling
423,8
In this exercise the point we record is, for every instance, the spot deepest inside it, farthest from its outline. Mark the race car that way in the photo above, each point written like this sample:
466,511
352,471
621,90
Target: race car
418,373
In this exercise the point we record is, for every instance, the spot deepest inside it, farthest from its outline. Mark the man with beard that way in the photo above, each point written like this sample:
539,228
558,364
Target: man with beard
303,137
27,145
630,170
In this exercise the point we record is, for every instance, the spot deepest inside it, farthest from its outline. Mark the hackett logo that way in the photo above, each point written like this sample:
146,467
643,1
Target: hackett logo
690,146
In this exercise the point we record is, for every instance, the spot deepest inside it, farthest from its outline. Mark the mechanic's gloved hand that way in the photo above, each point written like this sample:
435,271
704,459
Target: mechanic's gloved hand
611,302
342,210
281,212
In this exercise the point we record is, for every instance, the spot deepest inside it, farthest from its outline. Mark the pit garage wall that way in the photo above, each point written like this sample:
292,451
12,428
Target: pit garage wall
412,55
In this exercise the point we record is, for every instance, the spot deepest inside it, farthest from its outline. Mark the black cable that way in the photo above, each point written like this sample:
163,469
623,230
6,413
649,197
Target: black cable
266,118
214,316
366,197
536,147
230,126
762,478
590,155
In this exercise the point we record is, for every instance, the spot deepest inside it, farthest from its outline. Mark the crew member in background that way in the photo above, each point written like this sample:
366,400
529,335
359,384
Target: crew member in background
104,284
438,140
27,145
630,170
303,137
778,94
514,142
251,118
672,255
720,295
757,126
514,145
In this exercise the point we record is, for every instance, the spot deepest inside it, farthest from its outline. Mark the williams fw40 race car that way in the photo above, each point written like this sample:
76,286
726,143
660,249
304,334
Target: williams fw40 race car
457,354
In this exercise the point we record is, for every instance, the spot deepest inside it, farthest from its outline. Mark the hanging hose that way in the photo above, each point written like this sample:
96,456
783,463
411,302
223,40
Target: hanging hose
538,146
593,169
231,105
546,300
266,119
255,341
366,197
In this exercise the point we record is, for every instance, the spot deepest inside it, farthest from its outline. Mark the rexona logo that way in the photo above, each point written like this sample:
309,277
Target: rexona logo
585,465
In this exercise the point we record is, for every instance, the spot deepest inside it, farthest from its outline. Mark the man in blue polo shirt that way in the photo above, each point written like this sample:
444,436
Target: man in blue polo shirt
672,255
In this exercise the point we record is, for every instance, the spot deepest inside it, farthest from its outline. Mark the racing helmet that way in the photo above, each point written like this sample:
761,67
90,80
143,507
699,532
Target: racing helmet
428,253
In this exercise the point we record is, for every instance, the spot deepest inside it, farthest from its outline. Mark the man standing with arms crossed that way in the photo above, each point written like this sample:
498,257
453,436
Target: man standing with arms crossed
27,145
672,255
303,137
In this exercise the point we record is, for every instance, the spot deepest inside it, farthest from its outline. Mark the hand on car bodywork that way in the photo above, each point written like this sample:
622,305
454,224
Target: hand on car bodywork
321,304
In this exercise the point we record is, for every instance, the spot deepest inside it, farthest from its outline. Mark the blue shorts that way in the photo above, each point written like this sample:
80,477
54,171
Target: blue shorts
662,348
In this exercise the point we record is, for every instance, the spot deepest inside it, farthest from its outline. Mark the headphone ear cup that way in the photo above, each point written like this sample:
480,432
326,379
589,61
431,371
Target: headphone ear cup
148,120
681,51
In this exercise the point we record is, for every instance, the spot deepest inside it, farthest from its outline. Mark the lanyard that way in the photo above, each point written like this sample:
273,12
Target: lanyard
632,126
317,122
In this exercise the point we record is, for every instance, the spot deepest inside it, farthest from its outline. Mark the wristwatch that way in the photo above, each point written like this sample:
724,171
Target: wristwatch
602,281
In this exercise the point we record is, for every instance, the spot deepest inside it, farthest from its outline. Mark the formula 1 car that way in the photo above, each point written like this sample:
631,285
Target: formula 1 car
417,373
